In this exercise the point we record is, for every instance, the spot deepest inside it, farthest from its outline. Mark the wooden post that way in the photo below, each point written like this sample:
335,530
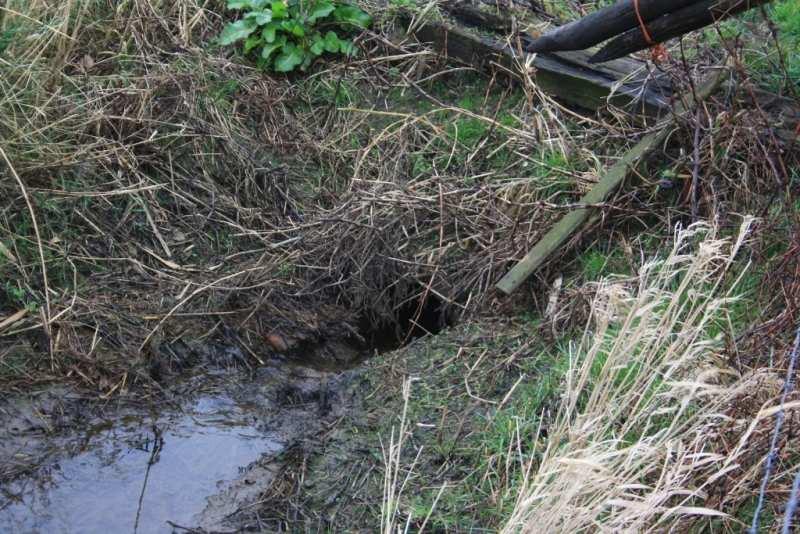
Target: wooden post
673,24
604,24
613,178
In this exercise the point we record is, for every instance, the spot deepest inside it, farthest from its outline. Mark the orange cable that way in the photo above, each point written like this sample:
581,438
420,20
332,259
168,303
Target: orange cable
659,51
642,25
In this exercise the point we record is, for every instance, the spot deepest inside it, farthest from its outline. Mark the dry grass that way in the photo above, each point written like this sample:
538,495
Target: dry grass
179,195
135,172
651,418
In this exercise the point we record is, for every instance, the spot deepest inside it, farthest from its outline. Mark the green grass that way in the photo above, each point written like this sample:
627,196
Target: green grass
14,296
760,54
471,143
469,441
787,16
324,92
487,468
7,37
598,262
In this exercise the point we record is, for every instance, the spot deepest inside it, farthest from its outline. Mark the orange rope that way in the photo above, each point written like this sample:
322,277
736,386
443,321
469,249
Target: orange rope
658,51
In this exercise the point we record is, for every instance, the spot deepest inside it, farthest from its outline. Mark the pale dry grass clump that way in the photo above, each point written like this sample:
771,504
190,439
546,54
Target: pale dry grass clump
637,441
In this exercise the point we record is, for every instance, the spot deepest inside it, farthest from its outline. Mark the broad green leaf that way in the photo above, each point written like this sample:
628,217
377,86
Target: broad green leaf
279,9
352,15
296,11
268,50
317,45
261,17
290,57
321,9
269,32
294,27
252,42
348,48
332,42
236,31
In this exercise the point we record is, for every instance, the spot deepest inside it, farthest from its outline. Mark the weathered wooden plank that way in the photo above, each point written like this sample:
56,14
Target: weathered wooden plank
673,24
557,236
568,76
475,15
604,24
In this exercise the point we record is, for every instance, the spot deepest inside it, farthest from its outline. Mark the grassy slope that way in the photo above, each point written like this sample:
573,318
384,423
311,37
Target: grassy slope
483,401
467,445
144,148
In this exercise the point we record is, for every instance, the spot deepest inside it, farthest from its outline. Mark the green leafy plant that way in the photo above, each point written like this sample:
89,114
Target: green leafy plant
290,34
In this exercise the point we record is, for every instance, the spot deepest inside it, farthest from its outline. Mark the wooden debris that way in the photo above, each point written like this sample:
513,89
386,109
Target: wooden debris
673,24
609,182
566,75
475,16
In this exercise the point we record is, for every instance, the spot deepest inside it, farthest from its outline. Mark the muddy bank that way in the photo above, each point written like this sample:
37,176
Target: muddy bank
470,405
194,457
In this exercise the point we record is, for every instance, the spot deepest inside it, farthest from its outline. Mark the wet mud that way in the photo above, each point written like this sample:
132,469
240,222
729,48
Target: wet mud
196,458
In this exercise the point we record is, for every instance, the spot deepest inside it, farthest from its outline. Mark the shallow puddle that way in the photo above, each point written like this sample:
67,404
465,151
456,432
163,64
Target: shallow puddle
141,476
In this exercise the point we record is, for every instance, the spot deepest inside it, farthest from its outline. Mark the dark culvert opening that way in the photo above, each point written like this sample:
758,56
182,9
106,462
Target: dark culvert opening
413,320
374,334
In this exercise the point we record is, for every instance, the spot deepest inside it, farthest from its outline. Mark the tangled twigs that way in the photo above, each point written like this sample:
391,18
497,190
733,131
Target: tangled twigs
40,246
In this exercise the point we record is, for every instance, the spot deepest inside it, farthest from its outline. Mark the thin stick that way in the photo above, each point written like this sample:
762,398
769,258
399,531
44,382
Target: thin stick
772,455
791,506
695,191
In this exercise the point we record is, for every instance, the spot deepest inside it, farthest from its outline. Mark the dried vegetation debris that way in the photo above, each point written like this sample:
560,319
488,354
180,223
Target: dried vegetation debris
179,193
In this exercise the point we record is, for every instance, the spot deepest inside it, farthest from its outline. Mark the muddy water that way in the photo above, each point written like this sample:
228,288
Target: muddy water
190,465
138,476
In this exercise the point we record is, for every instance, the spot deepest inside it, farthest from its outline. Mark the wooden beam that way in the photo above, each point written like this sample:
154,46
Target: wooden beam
567,76
673,24
563,230
604,24
473,15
